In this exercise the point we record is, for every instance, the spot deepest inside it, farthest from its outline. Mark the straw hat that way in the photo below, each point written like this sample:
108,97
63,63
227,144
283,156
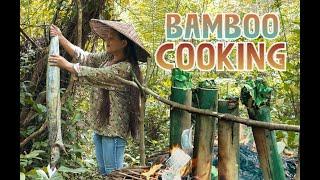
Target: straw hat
99,27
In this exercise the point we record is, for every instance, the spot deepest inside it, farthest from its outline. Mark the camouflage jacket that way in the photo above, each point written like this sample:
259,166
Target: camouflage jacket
94,71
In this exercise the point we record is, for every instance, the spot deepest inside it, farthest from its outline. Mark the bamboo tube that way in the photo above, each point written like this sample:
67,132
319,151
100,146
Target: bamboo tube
265,140
203,138
53,105
179,119
228,143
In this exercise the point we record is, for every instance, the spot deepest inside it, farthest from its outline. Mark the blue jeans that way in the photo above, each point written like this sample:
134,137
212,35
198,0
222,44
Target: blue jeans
109,152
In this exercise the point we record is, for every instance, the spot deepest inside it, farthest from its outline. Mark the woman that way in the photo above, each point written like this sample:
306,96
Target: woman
114,106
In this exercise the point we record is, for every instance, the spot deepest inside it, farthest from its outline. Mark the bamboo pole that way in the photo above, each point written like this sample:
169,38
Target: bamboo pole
297,176
203,138
265,140
228,142
179,119
256,96
142,151
53,105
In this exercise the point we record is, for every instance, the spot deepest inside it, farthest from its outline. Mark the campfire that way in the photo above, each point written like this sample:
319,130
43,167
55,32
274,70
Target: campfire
172,165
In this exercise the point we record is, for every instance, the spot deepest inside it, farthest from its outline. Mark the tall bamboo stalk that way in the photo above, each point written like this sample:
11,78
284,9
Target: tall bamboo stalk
265,140
53,105
179,119
228,142
203,137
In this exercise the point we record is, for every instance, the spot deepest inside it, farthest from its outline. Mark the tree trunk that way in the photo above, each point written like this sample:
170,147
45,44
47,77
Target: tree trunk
70,87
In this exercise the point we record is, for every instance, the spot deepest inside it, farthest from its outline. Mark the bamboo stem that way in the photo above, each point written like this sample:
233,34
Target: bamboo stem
54,105
179,119
228,143
269,157
204,133
141,132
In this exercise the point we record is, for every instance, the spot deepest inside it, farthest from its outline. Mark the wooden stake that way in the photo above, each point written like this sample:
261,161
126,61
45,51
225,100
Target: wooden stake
228,143
265,140
203,138
179,119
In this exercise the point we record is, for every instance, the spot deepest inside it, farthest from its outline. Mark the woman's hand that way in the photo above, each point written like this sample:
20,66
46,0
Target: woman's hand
61,62
55,31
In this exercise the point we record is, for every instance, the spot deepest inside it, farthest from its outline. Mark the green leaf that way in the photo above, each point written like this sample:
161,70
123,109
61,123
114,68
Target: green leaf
181,78
32,155
292,140
22,98
28,99
71,170
77,117
56,176
214,173
42,174
263,92
40,108
257,90
22,176
23,162
209,84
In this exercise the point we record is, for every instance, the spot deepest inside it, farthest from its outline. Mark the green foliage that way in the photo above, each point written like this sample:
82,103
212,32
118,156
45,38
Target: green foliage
26,62
209,83
258,91
71,170
214,173
28,159
181,78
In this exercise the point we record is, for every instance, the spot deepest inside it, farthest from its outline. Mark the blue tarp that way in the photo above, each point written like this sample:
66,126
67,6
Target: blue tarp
249,164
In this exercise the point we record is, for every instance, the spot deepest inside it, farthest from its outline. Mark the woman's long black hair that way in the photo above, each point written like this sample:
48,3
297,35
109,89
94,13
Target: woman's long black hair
134,93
